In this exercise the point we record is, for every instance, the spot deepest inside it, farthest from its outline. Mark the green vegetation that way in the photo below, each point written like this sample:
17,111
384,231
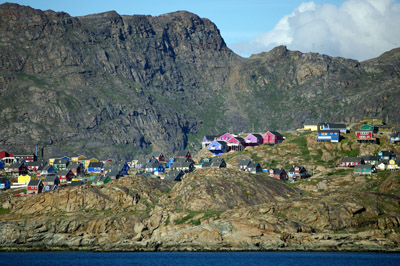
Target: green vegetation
4,211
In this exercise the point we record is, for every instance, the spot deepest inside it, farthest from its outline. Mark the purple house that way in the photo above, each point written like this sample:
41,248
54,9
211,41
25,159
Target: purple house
253,140
218,147
225,137
207,140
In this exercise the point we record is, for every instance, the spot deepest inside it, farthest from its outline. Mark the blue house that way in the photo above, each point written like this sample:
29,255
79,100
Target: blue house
170,162
394,138
2,164
331,126
328,135
155,167
218,147
387,155
207,140
125,168
95,167
5,183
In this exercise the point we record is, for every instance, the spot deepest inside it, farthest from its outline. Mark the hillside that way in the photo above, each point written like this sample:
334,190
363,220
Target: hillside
120,86
219,209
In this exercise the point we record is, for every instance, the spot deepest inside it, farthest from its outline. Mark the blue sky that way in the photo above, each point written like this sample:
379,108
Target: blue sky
359,29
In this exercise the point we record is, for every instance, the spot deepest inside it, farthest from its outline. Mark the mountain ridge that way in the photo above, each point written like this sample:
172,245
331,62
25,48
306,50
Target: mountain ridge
115,85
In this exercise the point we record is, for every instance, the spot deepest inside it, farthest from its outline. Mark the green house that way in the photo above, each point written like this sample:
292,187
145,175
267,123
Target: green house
101,180
364,169
367,127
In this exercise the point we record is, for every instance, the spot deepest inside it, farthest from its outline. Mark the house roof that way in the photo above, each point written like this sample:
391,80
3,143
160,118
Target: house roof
187,164
73,165
371,158
63,172
253,165
182,153
47,167
35,182
76,183
244,163
210,137
329,131
278,171
35,163
95,165
114,172
388,153
309,122
3,180
217,162
364,166
51,178
395,135
351,159
153,165
276,133
334,125
156,154
206,164
15,165
173,174
61,161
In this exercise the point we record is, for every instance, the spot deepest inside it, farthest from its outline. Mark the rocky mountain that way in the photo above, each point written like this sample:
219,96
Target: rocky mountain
116,86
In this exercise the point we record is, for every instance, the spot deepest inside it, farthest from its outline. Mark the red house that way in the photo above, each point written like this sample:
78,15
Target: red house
272,137
225,137
365,136
7,157
278,174
35,186
184,155
34,165
351,161
158,155
4,154
236,144
77,168
65,176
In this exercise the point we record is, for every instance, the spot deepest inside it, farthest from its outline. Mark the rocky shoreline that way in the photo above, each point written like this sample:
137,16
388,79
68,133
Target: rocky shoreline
141,214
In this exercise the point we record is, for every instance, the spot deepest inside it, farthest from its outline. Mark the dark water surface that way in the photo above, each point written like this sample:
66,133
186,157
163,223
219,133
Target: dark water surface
200,258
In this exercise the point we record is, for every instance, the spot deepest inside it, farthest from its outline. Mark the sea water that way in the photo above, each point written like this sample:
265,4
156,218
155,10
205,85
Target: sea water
200,258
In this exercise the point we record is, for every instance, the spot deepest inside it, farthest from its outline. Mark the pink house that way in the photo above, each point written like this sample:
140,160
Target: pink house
236,144
253,140
272,137
225,137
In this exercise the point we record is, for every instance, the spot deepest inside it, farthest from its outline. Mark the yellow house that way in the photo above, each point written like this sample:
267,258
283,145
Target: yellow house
78,158
87,162
392,165
24,179
311,125
51,161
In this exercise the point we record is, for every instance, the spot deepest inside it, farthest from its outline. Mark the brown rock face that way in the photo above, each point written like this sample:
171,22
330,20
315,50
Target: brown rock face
213,209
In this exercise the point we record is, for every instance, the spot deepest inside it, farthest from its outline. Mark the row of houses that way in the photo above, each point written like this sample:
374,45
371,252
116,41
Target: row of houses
218,145
366,133
385,160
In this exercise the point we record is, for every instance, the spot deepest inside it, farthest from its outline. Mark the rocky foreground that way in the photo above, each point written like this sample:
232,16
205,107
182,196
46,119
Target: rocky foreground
211,209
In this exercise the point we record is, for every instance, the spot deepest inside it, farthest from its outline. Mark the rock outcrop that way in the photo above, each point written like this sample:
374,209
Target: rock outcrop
246,212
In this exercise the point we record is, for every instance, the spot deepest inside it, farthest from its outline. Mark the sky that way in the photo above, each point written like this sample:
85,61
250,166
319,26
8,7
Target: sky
357,29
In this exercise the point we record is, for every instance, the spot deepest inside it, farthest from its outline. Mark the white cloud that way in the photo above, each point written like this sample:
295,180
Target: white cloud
358,29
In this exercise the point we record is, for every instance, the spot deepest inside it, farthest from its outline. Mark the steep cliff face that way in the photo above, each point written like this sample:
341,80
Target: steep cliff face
114,86
105,81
